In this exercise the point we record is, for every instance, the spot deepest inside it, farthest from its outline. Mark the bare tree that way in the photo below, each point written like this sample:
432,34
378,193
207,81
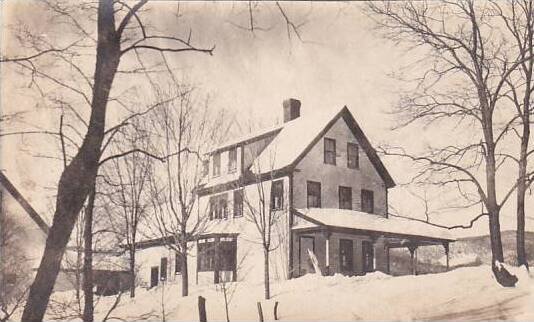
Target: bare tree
264,210
14,271
129,197
120,31
463,82
518,17
185,130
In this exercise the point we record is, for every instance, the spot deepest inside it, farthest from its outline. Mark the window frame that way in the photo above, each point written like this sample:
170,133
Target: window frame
310,183
238,206
177,263
232,162
365,194
280,188
328,152
216,164
356,148
215,203
341,199
206,256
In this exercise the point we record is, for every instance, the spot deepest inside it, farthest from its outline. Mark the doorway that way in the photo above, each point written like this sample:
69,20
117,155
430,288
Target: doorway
154,276
346,251
305,264
368,256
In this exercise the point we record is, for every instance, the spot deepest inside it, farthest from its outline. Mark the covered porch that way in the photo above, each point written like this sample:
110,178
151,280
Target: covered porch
355,243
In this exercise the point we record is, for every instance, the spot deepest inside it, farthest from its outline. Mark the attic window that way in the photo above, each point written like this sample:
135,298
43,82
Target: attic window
217,164
353,160
330,151
232,160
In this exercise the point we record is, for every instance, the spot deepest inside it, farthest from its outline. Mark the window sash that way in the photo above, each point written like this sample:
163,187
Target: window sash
218,207
368,201
217,164
314,194
345,197
329,151
277,195
238,203
232,160
353,160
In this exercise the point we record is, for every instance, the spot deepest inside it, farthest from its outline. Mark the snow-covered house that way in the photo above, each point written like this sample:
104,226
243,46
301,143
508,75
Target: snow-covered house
328,188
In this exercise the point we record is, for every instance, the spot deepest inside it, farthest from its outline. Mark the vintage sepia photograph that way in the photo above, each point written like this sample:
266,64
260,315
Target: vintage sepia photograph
266,160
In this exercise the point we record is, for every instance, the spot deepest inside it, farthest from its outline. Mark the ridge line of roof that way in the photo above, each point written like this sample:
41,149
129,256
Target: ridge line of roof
24,203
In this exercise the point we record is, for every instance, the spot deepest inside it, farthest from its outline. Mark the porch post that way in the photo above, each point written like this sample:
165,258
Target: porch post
216,270
326,234
412,248
446,247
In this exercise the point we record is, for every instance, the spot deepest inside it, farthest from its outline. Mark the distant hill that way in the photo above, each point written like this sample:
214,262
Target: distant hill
469,251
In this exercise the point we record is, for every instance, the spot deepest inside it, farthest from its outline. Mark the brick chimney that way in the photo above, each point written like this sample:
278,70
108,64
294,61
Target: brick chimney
291,109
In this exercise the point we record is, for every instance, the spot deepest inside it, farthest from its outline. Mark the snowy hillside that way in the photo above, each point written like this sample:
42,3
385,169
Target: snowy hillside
464,293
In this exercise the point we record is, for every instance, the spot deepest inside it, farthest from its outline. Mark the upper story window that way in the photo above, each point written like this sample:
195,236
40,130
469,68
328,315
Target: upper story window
232,160
353,158
205,167
218,207
329,151
368,203
238,203
345,197
277,195
314,194
217,164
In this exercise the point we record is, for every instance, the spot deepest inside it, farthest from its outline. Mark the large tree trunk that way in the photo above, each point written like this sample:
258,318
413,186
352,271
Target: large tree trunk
77,179
185,276
521,190
132,271
183,255
266,274
88,307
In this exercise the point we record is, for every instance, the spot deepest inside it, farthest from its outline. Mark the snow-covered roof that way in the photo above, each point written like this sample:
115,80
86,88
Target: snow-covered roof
4,181
314,217
247,137
293,139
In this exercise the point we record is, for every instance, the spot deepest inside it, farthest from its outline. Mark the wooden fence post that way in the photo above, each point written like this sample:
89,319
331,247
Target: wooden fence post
276,310
260,312
202,309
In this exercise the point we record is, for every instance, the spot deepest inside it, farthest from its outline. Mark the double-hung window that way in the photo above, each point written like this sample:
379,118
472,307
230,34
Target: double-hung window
314,194
330,151
277,195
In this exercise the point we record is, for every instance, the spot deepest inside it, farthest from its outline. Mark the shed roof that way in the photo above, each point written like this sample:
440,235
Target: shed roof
314,217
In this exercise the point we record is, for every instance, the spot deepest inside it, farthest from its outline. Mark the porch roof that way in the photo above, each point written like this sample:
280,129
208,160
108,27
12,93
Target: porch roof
342,218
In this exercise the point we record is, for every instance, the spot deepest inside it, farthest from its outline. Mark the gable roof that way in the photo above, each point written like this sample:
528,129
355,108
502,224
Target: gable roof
293,140
299,136
4,181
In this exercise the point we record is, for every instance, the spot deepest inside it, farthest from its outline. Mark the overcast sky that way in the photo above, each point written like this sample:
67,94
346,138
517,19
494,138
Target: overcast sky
341,61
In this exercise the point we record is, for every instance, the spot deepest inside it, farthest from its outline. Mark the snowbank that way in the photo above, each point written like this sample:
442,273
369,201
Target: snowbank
464,293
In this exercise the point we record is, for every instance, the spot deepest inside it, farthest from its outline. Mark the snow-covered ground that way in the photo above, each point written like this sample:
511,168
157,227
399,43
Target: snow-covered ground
468,293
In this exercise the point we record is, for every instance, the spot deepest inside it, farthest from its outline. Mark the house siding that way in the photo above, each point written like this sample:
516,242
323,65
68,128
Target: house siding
313,168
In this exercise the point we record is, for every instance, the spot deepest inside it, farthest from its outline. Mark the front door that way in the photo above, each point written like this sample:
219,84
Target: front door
306,243
368,256
346,256
154,276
